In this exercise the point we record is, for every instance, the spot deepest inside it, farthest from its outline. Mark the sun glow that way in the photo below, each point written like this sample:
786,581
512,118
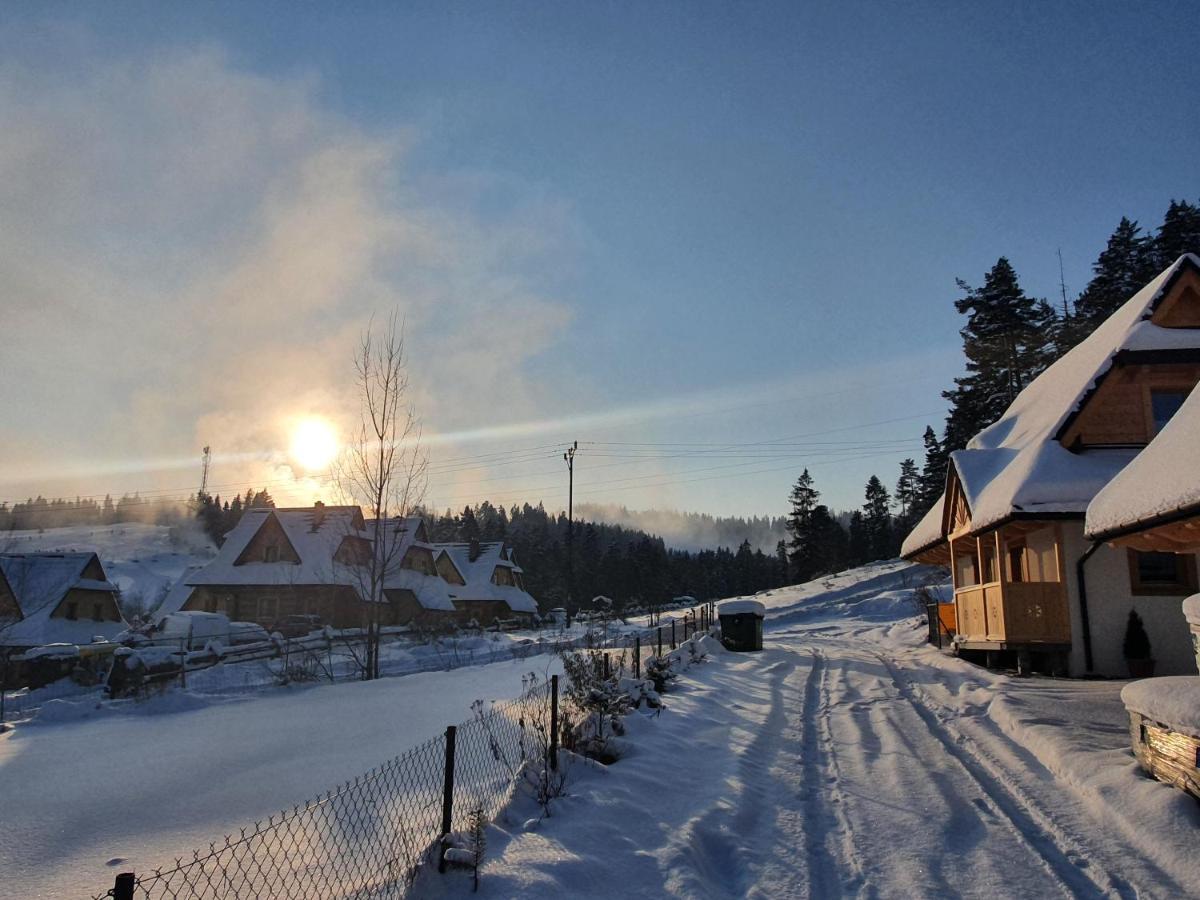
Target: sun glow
314,444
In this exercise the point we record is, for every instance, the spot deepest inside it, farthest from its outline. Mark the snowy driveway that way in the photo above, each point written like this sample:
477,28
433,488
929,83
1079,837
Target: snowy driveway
849,760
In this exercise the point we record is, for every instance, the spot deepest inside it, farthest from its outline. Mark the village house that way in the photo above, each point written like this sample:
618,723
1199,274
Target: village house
1030,583
314,561
486,583
52,598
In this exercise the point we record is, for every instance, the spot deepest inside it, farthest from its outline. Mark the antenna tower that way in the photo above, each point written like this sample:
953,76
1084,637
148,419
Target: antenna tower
206,458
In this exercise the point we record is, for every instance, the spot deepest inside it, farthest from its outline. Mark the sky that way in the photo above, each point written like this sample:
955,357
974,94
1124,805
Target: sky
713,243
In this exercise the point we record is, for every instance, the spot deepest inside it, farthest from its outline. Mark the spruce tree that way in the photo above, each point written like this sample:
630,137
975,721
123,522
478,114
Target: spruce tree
827,542
1178,234
1126,264
857,545
803,500
1006,343
877,521
907,495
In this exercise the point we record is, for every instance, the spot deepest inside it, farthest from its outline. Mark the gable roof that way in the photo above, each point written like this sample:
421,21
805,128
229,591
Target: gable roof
39,582
315,533
1161,485
478,575
1017,467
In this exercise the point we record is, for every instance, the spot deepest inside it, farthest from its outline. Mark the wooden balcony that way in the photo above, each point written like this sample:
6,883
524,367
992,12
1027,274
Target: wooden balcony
1012,613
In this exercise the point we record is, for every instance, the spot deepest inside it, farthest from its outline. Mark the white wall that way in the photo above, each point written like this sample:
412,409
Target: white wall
1109,601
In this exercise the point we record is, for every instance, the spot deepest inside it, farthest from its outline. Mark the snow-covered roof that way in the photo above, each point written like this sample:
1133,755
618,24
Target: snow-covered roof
478,575
314,533
741,607
927,532
1017,466
432,591
1162,483
39,581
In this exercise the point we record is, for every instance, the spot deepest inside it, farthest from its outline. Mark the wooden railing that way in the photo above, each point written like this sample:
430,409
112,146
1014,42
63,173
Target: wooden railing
1030,611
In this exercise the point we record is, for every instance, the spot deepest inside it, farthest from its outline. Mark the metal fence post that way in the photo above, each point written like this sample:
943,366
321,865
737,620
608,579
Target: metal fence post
123,888
447,794
554,722
660,640
637,656
673,646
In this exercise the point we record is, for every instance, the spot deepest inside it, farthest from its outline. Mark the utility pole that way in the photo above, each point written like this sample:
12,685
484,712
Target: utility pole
569,456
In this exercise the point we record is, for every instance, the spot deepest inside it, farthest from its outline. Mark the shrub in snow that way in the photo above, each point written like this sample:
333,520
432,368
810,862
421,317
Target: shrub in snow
599,701
1136,646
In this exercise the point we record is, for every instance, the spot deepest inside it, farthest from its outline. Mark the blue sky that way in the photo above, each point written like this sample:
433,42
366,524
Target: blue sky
705,223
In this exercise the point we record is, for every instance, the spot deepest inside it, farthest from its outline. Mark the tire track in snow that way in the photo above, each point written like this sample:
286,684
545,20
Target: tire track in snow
1060,854
834,868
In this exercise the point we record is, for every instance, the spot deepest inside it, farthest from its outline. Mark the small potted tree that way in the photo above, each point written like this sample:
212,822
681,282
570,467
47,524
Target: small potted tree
1137,648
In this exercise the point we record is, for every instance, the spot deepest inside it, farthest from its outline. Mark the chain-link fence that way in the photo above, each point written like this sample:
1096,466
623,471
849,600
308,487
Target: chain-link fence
369,837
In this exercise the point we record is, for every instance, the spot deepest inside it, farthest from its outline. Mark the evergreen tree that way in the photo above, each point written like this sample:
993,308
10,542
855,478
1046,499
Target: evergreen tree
857,546
827,541
877,521
1006,343
907,495
1124,267
933,472
1178,234
803,500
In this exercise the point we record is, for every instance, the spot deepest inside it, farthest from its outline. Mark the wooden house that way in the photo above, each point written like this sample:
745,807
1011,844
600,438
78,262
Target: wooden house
51,598
486,583
1029,583
316,560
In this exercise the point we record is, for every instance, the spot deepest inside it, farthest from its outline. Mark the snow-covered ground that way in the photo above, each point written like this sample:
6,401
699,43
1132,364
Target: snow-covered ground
141,783
847,758
850,759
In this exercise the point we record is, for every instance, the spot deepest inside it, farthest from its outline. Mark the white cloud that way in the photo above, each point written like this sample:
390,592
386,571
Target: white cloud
189,251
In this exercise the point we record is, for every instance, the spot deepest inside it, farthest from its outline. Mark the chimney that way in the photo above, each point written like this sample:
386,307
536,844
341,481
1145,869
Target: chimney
473,554
318,515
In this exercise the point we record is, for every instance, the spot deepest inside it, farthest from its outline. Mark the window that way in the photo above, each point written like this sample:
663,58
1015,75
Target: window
271,553
989,564
98,612
1164,405
1016,564
1171,574
72,610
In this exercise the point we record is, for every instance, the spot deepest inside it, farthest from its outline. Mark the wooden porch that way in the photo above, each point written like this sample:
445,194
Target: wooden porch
1009,589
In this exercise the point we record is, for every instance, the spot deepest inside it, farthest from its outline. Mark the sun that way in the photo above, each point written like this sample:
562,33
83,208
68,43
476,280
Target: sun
314,443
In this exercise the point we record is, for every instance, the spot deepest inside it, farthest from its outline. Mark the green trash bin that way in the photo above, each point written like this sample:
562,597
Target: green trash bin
741,625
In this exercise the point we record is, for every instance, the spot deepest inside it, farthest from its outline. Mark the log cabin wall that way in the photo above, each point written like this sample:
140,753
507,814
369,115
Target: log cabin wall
1120,412
337,605
81,604
269,544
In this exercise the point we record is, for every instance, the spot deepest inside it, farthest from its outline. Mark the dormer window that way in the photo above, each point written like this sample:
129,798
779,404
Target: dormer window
1163,406
271,553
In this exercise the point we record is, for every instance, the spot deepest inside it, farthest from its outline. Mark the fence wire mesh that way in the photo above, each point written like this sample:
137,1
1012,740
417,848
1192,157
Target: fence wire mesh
369,837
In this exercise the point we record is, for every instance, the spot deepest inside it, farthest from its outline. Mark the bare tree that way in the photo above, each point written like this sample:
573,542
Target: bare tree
383,467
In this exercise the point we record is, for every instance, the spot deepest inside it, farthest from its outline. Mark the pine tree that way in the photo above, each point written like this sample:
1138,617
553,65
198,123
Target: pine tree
933,472
803,499
1178,234
1007,344
1126,264
907,494
827,542
857,545
877,521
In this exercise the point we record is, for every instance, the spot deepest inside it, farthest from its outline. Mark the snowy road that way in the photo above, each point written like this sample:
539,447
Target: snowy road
849,760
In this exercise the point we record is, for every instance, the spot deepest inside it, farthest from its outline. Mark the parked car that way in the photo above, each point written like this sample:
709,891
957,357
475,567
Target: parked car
199,629
297,626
